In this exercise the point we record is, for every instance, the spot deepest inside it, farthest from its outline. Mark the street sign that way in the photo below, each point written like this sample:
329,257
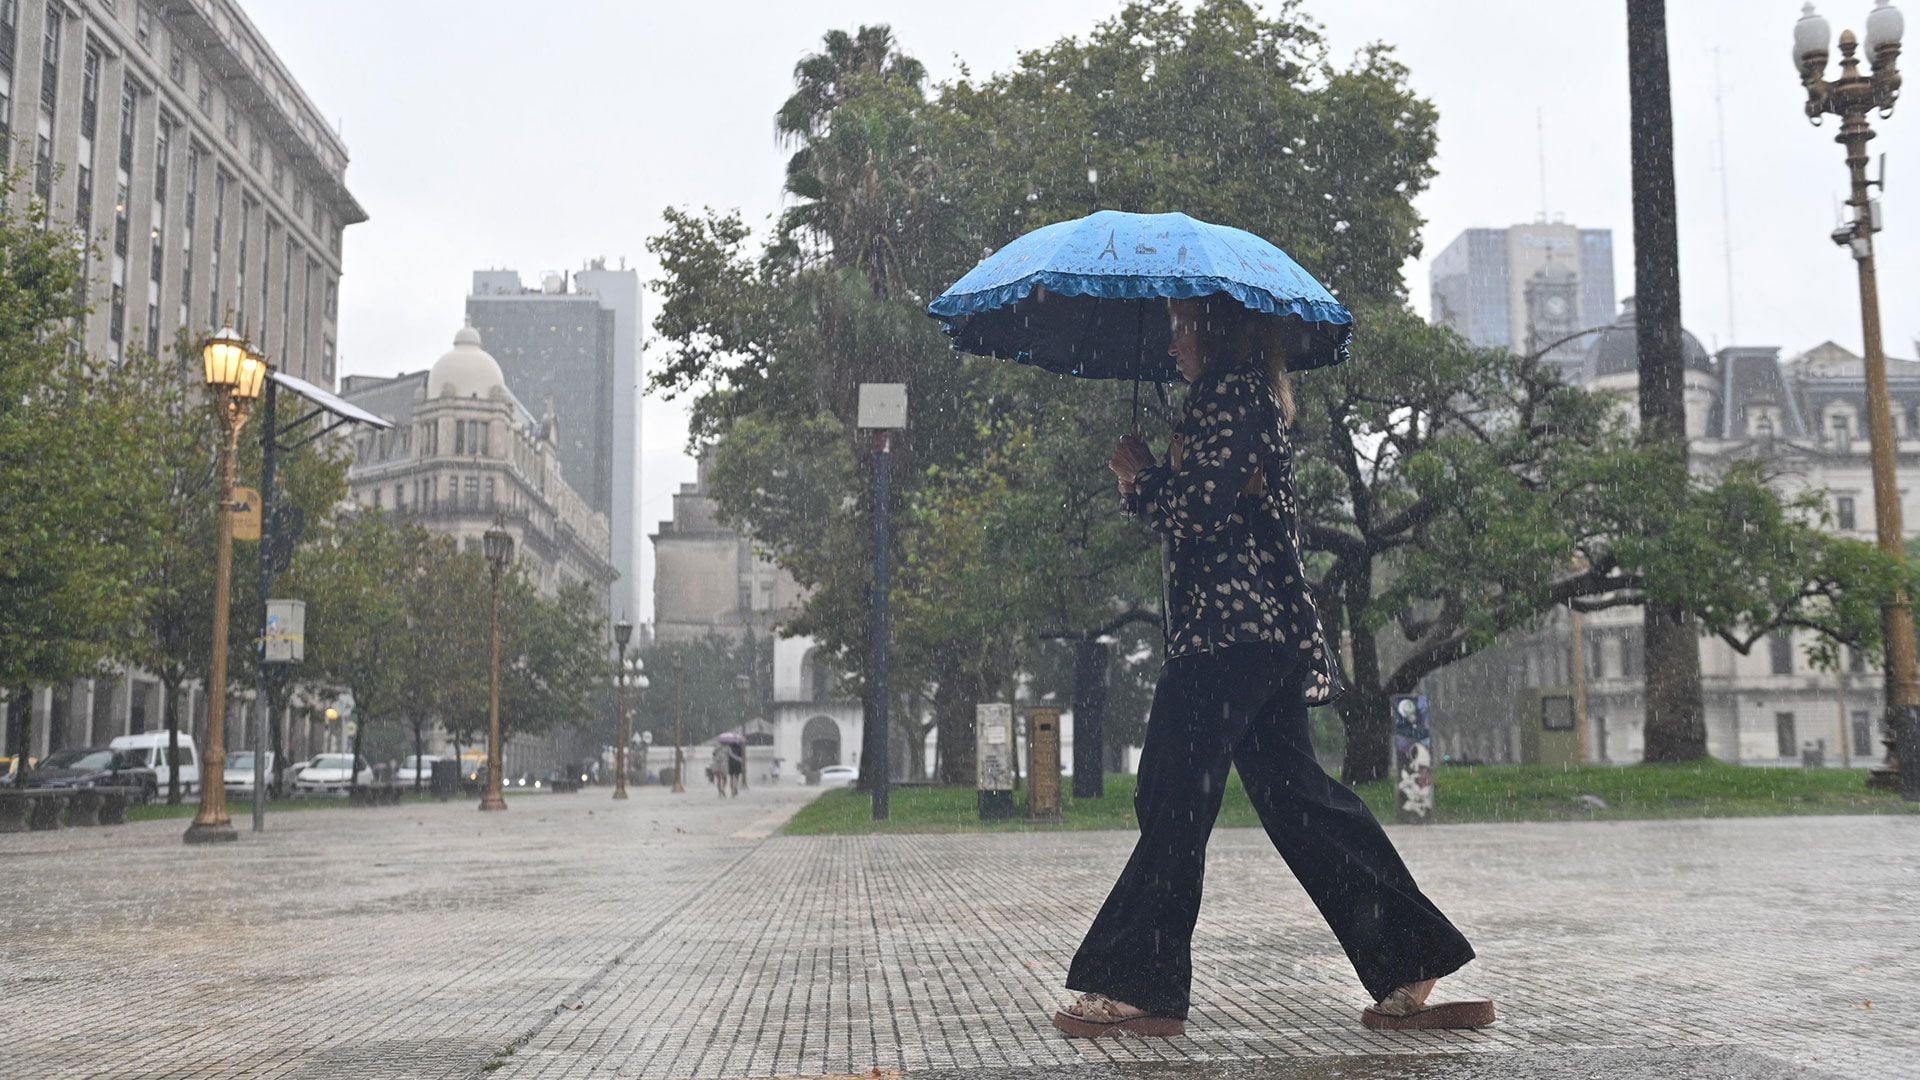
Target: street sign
286,637
246,514
993,760
1413,757
883,406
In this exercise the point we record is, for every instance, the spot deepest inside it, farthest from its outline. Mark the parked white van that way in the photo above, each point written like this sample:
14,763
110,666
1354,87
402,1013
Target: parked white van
154,745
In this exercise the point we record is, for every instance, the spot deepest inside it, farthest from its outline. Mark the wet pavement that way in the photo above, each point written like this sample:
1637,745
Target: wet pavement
675,937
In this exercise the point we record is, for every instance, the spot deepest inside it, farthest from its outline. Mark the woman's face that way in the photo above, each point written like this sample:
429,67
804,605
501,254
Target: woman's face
1184,316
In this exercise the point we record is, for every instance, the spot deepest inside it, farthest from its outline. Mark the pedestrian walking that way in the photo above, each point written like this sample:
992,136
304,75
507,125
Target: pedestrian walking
736,766
717,769
1246,657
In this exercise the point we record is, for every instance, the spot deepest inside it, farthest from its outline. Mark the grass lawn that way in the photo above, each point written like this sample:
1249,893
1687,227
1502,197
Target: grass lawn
1465,794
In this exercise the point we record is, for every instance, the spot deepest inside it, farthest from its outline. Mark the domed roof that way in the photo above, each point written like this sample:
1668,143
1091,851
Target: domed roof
1616,350
467,370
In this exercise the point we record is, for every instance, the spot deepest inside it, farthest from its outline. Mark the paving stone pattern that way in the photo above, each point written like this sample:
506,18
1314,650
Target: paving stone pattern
671,937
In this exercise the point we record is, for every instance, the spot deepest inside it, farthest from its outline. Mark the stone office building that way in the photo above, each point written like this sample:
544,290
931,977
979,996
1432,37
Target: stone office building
1804,416
173,135
462,454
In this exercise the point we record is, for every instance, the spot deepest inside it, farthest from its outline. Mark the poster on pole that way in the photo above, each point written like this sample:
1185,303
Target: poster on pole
1412,758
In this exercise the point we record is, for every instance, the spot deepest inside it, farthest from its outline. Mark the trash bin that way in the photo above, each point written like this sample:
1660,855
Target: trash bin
446,779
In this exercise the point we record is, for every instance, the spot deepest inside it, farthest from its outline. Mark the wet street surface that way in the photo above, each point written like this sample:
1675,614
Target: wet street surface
675,937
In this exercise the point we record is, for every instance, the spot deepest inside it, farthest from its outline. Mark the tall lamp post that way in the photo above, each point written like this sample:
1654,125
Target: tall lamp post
679,732
622,633
498,544
234,375
1851,97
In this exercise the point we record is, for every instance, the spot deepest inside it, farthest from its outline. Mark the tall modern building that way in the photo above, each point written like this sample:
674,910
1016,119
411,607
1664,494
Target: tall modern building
175,138
570,348
1526,287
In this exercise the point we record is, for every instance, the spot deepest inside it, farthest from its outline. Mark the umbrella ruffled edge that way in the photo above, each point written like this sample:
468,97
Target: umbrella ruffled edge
1109,287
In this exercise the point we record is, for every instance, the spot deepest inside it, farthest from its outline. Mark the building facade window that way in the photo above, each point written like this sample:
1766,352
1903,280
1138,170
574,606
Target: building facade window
1856,661
191,211
1780,650
1843,513
1783,733
203,93
49,86
1862,731
156,265
143,25
216,313
122,209
490,493
326,361
89,128
240,265
176,63
473,493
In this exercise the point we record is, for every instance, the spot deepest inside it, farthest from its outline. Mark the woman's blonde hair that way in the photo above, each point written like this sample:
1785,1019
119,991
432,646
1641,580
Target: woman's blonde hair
1231,331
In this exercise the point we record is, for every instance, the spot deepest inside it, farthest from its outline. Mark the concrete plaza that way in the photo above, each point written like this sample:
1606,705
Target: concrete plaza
676,937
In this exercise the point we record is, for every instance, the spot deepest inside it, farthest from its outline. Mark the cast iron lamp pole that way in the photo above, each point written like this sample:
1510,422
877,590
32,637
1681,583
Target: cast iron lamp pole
1851,97
234,375
622,633
498,543
679,732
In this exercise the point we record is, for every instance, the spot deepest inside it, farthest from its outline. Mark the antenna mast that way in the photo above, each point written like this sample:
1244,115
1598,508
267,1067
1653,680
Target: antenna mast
1726,202
1540,132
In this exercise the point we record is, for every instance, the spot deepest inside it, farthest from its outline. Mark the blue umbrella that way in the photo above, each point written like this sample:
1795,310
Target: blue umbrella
1088,297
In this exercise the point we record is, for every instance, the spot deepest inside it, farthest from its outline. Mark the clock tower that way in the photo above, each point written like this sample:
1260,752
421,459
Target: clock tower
1553,313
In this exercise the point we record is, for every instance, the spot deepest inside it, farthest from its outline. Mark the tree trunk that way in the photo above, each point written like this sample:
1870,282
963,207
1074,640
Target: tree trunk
1364,711
419,739
1090,662
1675,720
20,724
170,719
353,761
954,700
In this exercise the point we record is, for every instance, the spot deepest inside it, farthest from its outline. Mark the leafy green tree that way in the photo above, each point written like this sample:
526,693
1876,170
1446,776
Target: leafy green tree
1448,491
357,633
72,514
553,657
173,633
720,683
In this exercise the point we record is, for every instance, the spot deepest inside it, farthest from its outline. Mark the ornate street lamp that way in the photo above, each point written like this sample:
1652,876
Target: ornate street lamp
234,374
622,633
498,543
679,733
1851,97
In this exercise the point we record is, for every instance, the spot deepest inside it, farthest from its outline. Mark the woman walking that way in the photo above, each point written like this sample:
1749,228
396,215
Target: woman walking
1245,659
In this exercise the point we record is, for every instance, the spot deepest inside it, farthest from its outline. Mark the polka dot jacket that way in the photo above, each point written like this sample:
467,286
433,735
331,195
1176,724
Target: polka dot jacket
1237,573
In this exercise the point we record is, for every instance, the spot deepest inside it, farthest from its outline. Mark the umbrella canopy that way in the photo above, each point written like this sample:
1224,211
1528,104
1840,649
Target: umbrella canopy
1088,297
733,737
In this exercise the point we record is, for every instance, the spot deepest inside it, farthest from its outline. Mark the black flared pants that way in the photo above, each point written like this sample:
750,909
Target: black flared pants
1243,705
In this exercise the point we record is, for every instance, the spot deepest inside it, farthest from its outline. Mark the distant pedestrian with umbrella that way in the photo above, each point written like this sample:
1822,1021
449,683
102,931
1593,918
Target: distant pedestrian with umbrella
1151,297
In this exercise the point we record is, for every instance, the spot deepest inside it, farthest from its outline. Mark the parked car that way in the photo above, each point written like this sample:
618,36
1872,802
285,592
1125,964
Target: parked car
327,774
414,767
152,746
94,766
239,775
839,776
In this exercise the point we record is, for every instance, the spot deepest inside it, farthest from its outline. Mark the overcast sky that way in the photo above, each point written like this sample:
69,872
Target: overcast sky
494,133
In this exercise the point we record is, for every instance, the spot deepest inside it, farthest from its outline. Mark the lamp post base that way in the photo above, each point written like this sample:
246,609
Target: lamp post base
202,833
